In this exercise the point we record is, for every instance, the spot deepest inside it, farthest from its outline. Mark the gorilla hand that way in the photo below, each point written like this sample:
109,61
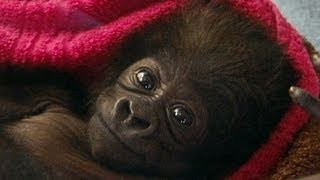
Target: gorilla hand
302,97
306,100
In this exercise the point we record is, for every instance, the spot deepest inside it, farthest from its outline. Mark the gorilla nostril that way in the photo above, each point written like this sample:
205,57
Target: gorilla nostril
140,123
122,110
136,123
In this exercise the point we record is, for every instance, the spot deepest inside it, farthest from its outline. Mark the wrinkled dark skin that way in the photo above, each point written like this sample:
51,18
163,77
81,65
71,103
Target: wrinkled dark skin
182,101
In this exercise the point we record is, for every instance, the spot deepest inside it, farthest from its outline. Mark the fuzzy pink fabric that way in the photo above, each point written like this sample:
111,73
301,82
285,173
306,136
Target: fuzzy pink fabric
73,35
81,35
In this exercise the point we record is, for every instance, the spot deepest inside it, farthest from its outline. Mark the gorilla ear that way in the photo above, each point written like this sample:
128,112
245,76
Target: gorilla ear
314,54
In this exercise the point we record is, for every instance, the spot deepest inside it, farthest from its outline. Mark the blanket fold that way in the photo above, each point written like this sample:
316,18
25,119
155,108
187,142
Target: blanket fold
303,157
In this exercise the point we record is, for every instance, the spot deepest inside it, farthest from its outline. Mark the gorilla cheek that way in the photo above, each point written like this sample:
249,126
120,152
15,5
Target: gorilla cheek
107,149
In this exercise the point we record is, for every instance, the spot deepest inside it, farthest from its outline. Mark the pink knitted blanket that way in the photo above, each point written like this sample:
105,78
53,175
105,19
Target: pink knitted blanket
80,35
73,35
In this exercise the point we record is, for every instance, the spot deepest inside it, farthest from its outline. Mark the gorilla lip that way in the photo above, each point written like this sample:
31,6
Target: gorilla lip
114,134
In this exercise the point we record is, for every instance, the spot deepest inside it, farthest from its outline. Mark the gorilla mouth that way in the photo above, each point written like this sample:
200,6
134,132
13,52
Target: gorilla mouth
116,136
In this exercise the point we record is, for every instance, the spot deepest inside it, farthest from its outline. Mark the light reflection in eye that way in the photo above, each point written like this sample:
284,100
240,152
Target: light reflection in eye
182,116
145,79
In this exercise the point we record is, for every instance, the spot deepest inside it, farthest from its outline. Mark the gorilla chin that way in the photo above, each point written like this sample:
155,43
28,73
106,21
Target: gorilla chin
108,146
103,142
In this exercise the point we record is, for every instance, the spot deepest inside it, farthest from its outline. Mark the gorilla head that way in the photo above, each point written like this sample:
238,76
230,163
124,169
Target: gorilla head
199,88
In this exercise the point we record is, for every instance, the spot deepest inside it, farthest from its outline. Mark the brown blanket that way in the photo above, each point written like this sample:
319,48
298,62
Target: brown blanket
303,158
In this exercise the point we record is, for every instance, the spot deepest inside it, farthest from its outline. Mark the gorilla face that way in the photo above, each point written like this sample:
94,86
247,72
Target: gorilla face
203,96
150,119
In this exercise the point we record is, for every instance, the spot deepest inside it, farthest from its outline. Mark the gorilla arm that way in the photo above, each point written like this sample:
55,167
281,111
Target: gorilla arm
56,140
42,135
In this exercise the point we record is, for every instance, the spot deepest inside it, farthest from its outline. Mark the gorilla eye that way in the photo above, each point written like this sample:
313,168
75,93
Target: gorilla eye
145,79
182,115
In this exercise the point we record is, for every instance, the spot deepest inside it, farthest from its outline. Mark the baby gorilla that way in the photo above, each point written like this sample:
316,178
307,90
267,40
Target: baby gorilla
193,96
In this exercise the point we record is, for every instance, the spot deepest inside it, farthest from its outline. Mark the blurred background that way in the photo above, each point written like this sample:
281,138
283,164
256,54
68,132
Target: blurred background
305,16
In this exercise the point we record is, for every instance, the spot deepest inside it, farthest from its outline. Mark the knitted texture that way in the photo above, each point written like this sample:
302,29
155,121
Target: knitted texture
80,35
72,35
303,158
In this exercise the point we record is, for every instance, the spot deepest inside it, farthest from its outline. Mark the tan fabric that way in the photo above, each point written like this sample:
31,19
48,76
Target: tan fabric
303,158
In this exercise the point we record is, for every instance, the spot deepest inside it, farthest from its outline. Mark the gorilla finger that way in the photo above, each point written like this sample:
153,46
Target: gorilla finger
315,55
316,61
304,99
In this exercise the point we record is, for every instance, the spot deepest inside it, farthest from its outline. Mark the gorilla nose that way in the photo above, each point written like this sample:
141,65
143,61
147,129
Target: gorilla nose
131,118
136,123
